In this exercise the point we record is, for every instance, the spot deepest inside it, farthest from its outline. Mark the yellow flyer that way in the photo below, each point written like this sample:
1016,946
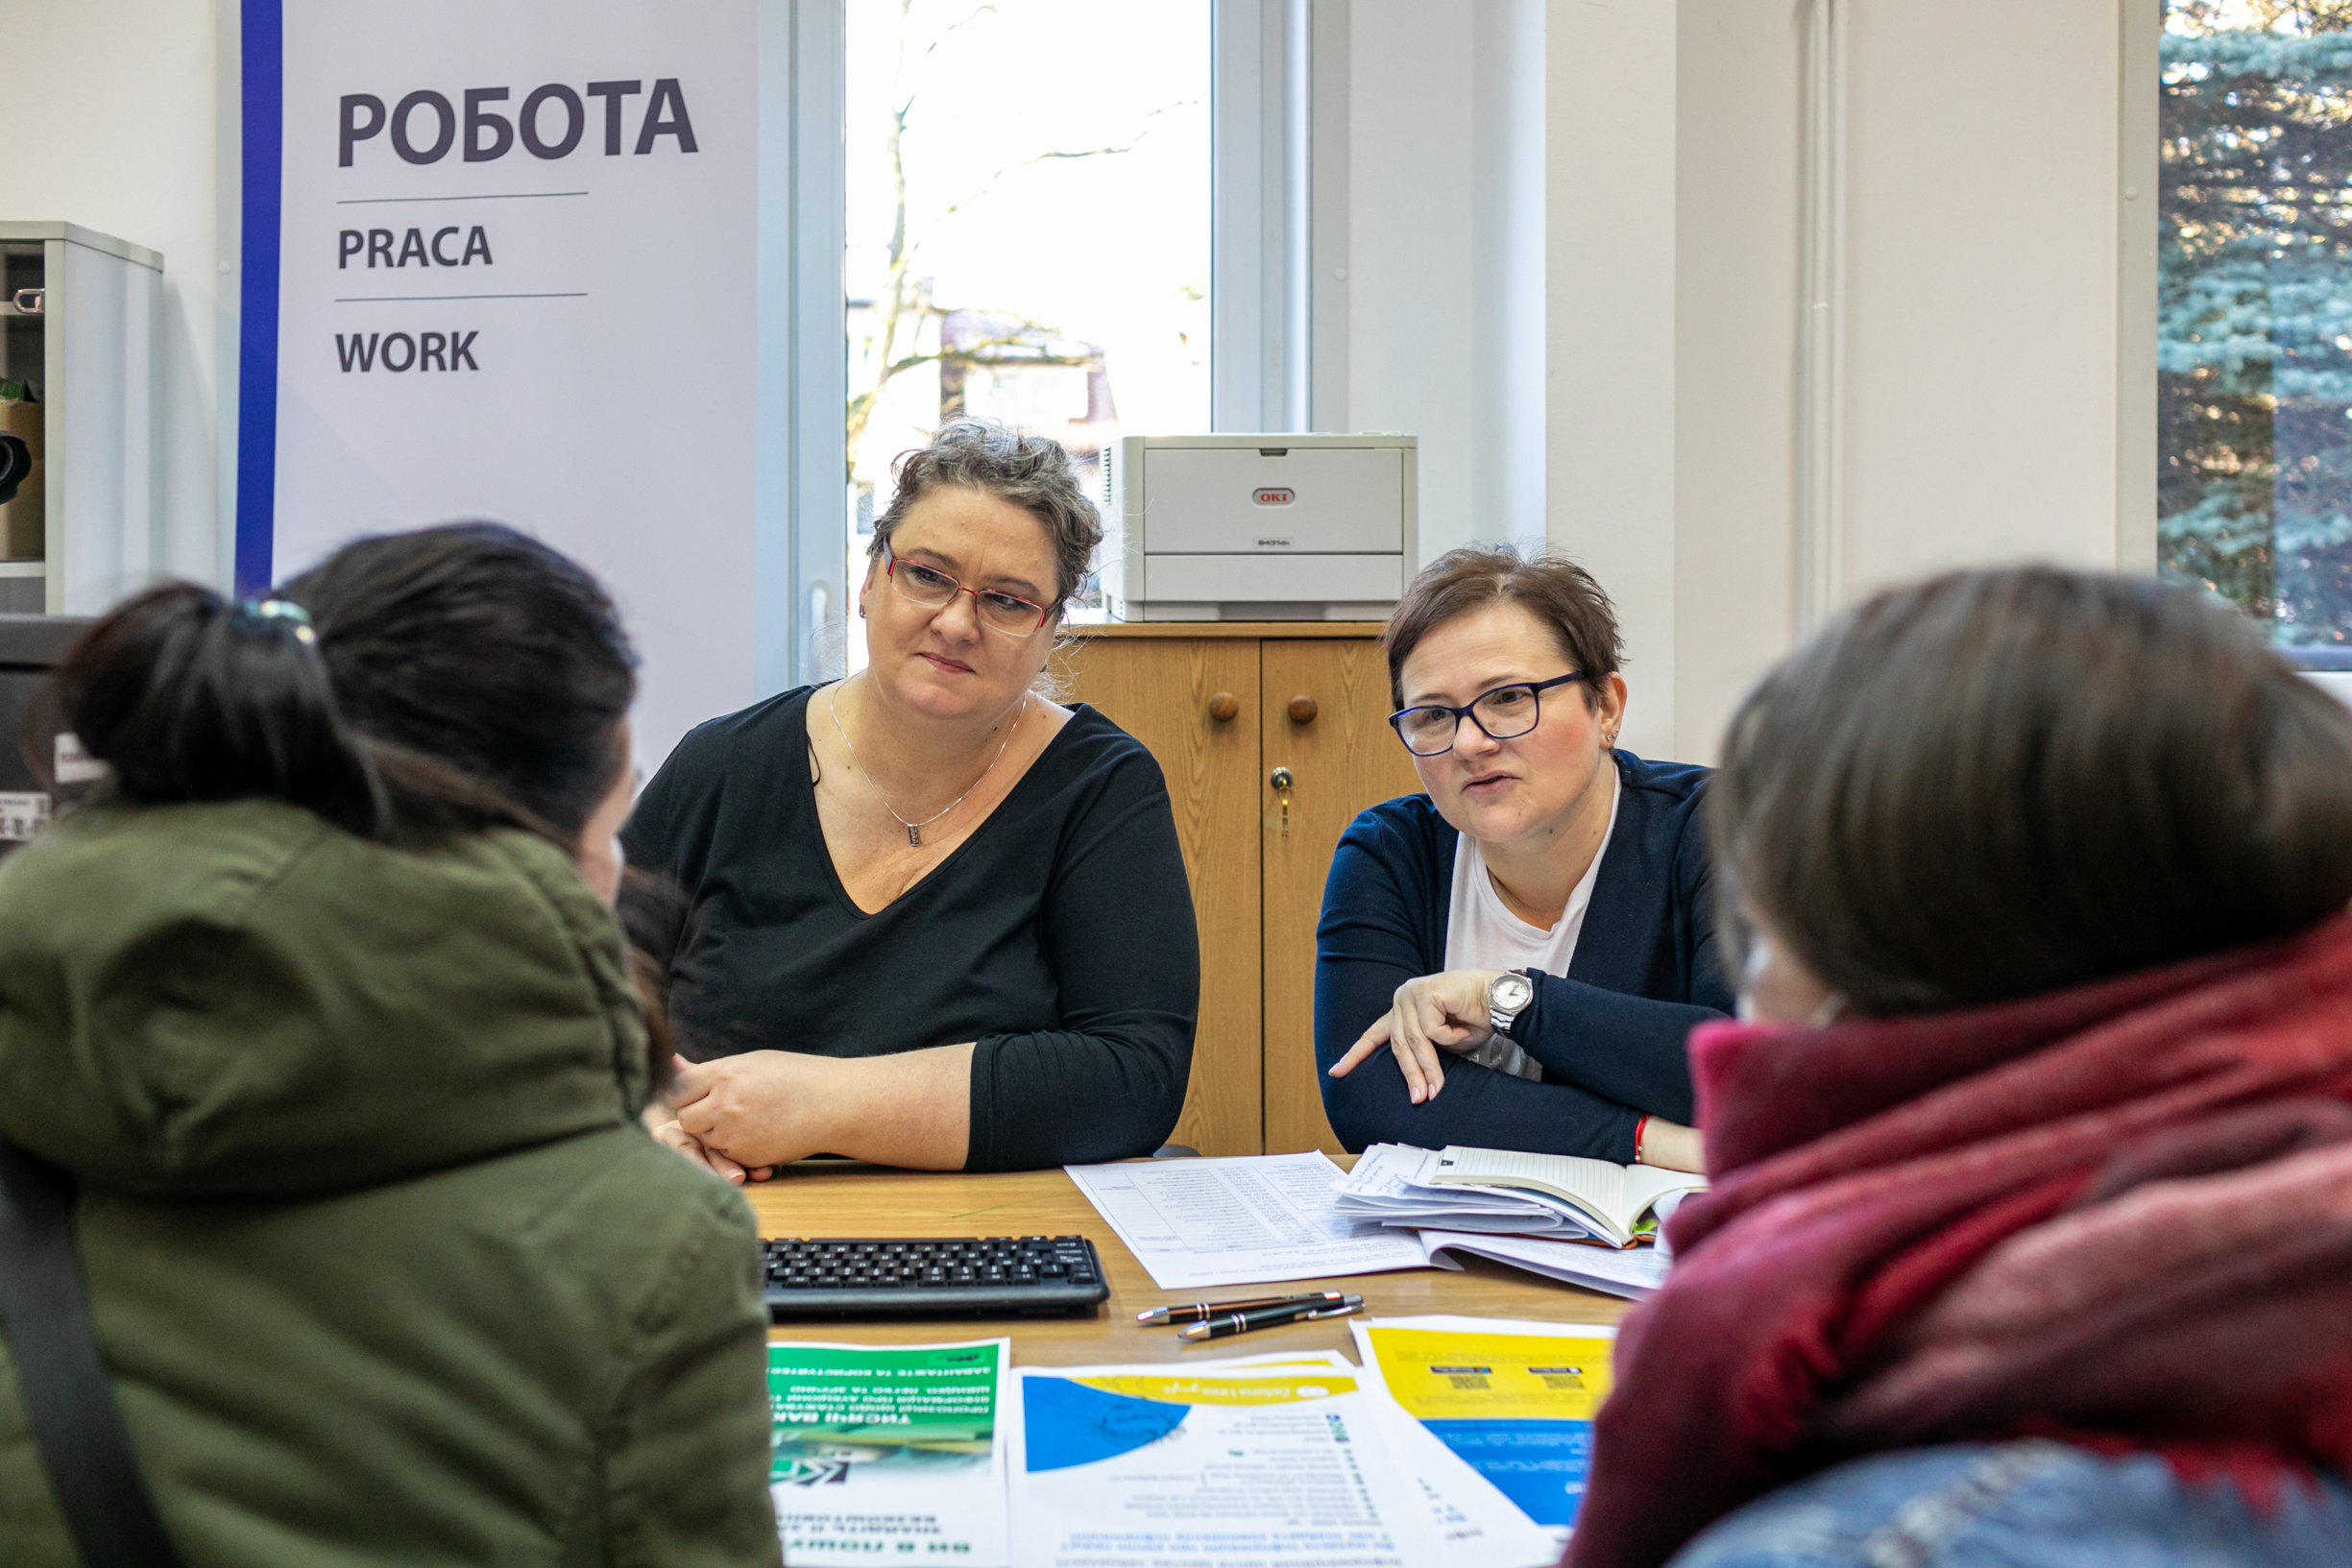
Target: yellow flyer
1515,1400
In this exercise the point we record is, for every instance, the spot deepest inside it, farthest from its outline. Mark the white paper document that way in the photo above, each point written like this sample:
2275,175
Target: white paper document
1255,1219
1265,1466
1245,1220
1390,1185
1632,1273
1609,1199
1478,1525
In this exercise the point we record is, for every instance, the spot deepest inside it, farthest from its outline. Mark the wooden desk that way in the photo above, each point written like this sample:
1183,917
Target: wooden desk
862,1201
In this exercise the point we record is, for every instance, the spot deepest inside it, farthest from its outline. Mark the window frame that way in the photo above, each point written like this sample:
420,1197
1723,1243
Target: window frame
1278,282
802,379
1279,197
2138,169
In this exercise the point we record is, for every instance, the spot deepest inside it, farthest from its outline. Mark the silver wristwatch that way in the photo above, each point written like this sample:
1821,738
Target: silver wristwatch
1508,995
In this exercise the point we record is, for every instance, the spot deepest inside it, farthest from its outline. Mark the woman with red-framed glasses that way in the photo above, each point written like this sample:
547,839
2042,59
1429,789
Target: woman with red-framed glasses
928,917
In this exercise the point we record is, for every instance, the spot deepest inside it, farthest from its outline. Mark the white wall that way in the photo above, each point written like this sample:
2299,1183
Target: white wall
110,124
1981,276
1445,253
1980,313
1409,252
1611,330
1510,399
1736,305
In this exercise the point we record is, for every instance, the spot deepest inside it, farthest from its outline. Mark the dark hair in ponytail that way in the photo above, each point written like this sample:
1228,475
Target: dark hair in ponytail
192,698
453,678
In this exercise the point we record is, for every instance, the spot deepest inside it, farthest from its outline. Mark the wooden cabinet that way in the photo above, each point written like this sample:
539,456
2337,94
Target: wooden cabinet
1222,706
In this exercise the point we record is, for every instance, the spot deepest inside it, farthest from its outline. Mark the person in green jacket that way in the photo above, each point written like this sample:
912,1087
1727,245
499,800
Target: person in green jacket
319,1002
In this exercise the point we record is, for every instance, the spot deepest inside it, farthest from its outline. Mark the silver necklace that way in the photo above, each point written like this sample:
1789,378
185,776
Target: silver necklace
914,829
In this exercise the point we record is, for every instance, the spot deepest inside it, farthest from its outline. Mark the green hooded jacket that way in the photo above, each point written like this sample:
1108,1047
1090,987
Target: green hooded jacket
384,1267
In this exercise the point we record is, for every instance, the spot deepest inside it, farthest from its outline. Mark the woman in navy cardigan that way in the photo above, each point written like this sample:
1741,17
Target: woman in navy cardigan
1515,958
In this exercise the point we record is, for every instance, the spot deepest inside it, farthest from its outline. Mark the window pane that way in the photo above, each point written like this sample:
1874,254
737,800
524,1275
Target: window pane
1027,228
2254,328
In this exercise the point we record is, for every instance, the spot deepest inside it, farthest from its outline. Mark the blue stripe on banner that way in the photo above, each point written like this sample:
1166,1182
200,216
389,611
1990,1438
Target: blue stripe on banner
264,89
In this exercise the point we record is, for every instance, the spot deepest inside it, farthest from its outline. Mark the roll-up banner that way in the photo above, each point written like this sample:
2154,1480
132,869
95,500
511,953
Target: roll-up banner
500,262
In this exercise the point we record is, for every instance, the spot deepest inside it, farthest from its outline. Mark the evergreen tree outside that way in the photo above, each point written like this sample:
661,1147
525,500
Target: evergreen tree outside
2254,317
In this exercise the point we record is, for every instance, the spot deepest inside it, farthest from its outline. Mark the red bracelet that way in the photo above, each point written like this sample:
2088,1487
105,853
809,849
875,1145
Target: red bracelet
1640,1127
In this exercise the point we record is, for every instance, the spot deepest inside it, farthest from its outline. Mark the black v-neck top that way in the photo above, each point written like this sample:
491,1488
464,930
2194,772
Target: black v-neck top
1058,936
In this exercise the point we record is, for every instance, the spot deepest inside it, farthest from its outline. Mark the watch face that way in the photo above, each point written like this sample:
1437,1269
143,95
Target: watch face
1511,992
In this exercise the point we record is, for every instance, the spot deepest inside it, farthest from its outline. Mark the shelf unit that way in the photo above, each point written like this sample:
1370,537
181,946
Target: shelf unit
93,355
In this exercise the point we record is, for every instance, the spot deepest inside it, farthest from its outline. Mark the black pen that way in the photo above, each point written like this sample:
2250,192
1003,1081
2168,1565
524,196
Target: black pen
1268,1317
1200,1312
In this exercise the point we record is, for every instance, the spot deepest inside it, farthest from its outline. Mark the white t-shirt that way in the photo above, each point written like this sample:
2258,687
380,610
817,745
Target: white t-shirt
1481,933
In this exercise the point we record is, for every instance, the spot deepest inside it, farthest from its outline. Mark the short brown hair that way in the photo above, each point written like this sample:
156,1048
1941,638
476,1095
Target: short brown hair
1997,783
1030,471
1561,593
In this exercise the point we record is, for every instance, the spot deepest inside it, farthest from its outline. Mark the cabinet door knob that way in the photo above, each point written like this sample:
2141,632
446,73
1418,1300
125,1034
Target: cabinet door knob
1224,706
1303,709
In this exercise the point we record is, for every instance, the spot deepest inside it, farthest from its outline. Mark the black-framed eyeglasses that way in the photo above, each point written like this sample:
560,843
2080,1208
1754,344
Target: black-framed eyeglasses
934,589
1504,713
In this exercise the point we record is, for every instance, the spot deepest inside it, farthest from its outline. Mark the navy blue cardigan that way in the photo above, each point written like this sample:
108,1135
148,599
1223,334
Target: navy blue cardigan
1610,1035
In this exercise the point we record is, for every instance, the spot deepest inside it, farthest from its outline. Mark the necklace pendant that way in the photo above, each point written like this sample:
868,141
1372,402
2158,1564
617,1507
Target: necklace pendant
914,835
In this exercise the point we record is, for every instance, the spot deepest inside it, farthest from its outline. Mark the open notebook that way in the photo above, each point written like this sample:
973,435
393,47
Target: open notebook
1612,1197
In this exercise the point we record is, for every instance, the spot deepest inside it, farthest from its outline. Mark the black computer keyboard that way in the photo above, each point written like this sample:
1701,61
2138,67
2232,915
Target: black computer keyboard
994,1276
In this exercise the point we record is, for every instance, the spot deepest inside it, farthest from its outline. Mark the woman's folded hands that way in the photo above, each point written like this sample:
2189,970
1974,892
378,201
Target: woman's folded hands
742,1115
745,1114
662,1120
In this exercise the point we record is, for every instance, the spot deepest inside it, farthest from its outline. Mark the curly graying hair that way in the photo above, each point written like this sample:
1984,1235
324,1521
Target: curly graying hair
1030,471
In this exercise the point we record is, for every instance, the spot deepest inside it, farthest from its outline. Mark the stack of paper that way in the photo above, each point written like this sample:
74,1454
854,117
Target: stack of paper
1616,1202
1633,1272
1504,1191
1260,1218
1391,1186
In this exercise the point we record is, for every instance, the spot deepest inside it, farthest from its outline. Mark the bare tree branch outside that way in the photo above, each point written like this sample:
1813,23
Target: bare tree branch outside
1027,227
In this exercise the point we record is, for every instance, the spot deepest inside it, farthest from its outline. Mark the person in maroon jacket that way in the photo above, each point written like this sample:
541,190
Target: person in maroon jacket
2030,1238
